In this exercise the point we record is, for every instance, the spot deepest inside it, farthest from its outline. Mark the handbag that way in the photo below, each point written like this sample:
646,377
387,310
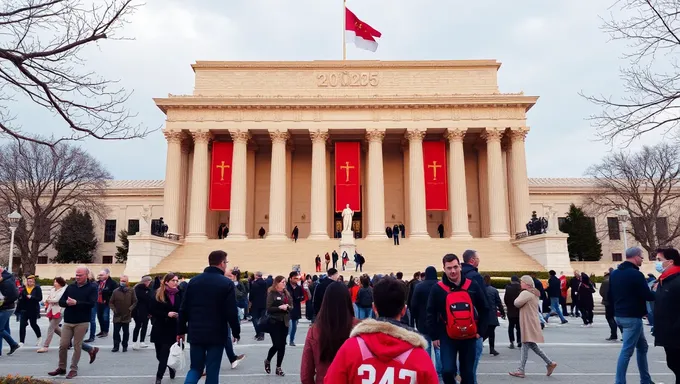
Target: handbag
264,325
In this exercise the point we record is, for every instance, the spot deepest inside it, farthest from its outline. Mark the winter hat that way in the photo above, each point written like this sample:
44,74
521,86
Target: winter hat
514,279
526,279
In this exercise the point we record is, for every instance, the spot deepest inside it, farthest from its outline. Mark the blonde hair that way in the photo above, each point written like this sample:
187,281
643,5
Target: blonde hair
160,292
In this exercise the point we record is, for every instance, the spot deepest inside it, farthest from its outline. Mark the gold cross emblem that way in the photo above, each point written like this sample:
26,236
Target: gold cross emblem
346,167
434,167
222,166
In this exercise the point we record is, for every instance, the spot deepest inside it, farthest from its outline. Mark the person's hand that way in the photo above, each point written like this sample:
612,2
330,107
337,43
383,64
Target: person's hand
477,336
236,340
172,314
503,317
180,338
283,307
71,301
435,343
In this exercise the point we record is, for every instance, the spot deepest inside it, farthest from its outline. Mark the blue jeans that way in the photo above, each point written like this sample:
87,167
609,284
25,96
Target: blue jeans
478,355
437,356
103,312
633,337
293,330
93,322
5,316
229,347
555,306
463,351
364,313
208,357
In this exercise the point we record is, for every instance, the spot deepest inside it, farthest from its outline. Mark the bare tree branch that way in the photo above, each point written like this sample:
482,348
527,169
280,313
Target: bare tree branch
40,43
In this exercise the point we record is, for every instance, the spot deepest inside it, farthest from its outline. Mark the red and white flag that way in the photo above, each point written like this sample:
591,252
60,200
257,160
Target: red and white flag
362,34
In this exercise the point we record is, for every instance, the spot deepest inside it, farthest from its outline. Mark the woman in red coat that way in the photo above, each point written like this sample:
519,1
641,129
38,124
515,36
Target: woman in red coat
329,331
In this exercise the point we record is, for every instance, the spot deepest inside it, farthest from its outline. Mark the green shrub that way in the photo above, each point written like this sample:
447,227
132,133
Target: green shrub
11,379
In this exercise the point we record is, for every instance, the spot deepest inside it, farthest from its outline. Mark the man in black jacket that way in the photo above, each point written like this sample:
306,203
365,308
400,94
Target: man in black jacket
9,290
574,282
418,305
208,310
334,258
106,286
294,287
258,300
554,293
454,280
320,289
512,291
141,312
470,270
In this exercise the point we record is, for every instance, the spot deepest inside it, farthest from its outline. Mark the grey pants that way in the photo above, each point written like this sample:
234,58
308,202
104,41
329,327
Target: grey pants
525,355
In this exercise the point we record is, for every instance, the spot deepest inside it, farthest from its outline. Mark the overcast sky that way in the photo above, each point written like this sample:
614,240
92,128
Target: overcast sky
551,49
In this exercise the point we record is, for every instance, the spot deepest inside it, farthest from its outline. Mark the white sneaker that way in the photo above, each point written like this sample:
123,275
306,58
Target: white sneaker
21,345
135,346
39,343
143,345
238,361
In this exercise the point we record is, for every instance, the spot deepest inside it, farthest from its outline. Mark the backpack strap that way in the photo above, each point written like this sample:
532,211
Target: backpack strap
466,285
365,352
444,286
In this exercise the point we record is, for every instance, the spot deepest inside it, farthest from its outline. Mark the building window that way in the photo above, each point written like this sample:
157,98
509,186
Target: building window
592,221
617,257
133,227
662,230
42,259
110,231
613,226
107,259
560,223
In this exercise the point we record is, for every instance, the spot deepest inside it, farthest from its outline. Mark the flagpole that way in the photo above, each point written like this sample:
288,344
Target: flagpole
344,25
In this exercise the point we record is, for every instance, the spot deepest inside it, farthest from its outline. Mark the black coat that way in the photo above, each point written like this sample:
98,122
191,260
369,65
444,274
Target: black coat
144,298
298,294
512,291
9,290
585,297
542,295
209,308
418,303
109,287
258,294
667,313
30,307
319,291
554,287
628,291
495,305
573,284
164,328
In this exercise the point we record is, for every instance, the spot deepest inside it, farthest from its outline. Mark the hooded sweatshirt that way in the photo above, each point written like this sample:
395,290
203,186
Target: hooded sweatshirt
418,304
382,352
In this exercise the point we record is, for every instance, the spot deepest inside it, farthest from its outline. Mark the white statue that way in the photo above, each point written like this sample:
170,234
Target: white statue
145,222
347,214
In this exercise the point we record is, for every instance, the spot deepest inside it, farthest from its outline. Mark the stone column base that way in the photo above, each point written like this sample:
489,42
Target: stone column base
499,237
377,236
145,253
550,250
276,237
236,237
318,236
419,236
461,236
196,238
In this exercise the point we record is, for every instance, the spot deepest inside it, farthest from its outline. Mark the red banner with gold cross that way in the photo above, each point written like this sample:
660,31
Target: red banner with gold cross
436,186
347,176
220,175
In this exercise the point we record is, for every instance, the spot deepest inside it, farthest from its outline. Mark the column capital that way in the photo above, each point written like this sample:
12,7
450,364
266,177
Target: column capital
518,134
279,137
415,134
186,146
318,136
492,134
239,136
455,135
375,135
202,137
174,137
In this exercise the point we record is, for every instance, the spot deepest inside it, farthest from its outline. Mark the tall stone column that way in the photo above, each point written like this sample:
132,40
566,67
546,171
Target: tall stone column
376,186
277,187
201,183
184,187
418,213
239,183
171,193
520,181
457,185
498,209
319,202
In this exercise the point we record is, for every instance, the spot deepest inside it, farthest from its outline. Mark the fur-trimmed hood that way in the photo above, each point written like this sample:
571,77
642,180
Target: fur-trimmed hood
386,340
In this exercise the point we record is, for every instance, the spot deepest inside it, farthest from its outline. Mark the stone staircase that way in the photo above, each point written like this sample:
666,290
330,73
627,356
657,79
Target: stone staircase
279,257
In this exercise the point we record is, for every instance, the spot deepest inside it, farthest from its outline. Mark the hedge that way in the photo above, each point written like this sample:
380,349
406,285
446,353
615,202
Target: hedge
11,379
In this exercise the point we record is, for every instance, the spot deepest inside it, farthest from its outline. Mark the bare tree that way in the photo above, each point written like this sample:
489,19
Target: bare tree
43,185
40,46
651,30
647,184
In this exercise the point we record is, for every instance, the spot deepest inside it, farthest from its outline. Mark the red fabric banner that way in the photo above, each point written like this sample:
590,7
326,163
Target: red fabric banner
347,176
220,175
436,186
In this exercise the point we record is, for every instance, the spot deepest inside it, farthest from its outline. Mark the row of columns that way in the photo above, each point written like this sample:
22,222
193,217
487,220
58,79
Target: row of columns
498,207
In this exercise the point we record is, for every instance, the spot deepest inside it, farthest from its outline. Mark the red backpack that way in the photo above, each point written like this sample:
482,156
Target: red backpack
460,313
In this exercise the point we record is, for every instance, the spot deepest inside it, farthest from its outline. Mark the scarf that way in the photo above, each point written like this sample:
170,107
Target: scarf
171,292
100,298
671,270
29,290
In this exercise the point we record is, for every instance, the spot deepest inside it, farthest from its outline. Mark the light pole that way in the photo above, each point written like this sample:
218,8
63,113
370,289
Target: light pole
624,216
13,218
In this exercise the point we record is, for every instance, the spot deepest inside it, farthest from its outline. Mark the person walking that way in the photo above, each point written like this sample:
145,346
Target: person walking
364,299
29,304
258,301
327,258
495,306
141,313
164,310
106,286
325,337
608,307
585,300
395,234
629,293
279,305
667,307
470,269
294,287
532,335
418,305
93,316
122,302
317,263
53,312
554,293
573,285
10,293
208,310
512,291
78,300
335,257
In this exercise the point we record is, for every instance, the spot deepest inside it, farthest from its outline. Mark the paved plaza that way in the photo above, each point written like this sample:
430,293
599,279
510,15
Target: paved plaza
582,354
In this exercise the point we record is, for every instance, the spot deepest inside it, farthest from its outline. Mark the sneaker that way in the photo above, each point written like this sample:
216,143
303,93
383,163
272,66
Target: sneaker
238,361
495,353
21,345
143,345
173,373
90,340
611,339
14,349
512,346
136,346
39,342
103,335
565,321
291,344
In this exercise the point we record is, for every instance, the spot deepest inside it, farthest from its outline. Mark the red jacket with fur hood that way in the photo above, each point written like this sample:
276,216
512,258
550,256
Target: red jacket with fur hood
382,351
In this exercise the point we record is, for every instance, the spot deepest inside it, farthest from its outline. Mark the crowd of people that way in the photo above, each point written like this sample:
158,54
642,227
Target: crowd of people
378,329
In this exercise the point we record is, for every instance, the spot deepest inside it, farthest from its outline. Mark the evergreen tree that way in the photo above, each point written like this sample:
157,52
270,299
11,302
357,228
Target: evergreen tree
583,243
122,250
76,242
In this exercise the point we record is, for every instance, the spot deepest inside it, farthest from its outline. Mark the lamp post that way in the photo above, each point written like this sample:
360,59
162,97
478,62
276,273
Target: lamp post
13,218
624,216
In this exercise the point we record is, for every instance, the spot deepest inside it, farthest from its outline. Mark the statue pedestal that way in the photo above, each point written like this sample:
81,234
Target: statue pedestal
348,245
549,249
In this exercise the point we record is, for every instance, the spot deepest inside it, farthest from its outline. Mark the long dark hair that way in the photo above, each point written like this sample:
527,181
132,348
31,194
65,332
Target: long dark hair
334,320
